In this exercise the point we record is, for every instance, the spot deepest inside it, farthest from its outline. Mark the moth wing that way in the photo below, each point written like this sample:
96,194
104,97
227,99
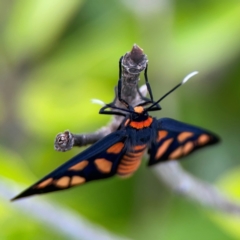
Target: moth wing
176,140
96,162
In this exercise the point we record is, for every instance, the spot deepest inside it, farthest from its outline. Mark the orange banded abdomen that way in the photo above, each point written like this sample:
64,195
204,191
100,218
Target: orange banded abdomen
131,161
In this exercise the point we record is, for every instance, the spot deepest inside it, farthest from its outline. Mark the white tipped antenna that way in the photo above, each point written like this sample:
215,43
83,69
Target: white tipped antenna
189,76
177,86
97,101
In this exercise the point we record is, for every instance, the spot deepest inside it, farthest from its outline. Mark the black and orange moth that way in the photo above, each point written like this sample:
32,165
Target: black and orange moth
120,152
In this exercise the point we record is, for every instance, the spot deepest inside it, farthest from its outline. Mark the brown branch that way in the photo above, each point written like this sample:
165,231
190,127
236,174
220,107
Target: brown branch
134,62
182,182
171,173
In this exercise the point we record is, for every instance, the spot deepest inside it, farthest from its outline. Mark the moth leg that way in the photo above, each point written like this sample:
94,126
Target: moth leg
157,107
147,84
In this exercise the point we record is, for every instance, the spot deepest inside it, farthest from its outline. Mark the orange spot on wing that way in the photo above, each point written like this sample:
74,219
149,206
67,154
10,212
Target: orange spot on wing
163,148
116,148
176,154
162,134
63,182
138,109
203,139
44,183
184,136
188,147
79,166
76,180
103,165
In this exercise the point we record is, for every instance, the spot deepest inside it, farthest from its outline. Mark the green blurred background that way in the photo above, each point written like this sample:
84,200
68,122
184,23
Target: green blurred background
57,55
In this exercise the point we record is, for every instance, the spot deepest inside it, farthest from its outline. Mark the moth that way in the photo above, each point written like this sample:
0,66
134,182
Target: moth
121,152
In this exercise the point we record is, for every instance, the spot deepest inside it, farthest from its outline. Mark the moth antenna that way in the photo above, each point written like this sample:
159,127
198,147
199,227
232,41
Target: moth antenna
100,102
97,101
189,76
173,89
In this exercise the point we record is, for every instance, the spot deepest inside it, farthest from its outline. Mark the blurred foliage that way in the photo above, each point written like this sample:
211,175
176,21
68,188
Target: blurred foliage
230,183
57,55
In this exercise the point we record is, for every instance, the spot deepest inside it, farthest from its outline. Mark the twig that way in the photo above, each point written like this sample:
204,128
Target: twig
134,62
182,182
171,173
